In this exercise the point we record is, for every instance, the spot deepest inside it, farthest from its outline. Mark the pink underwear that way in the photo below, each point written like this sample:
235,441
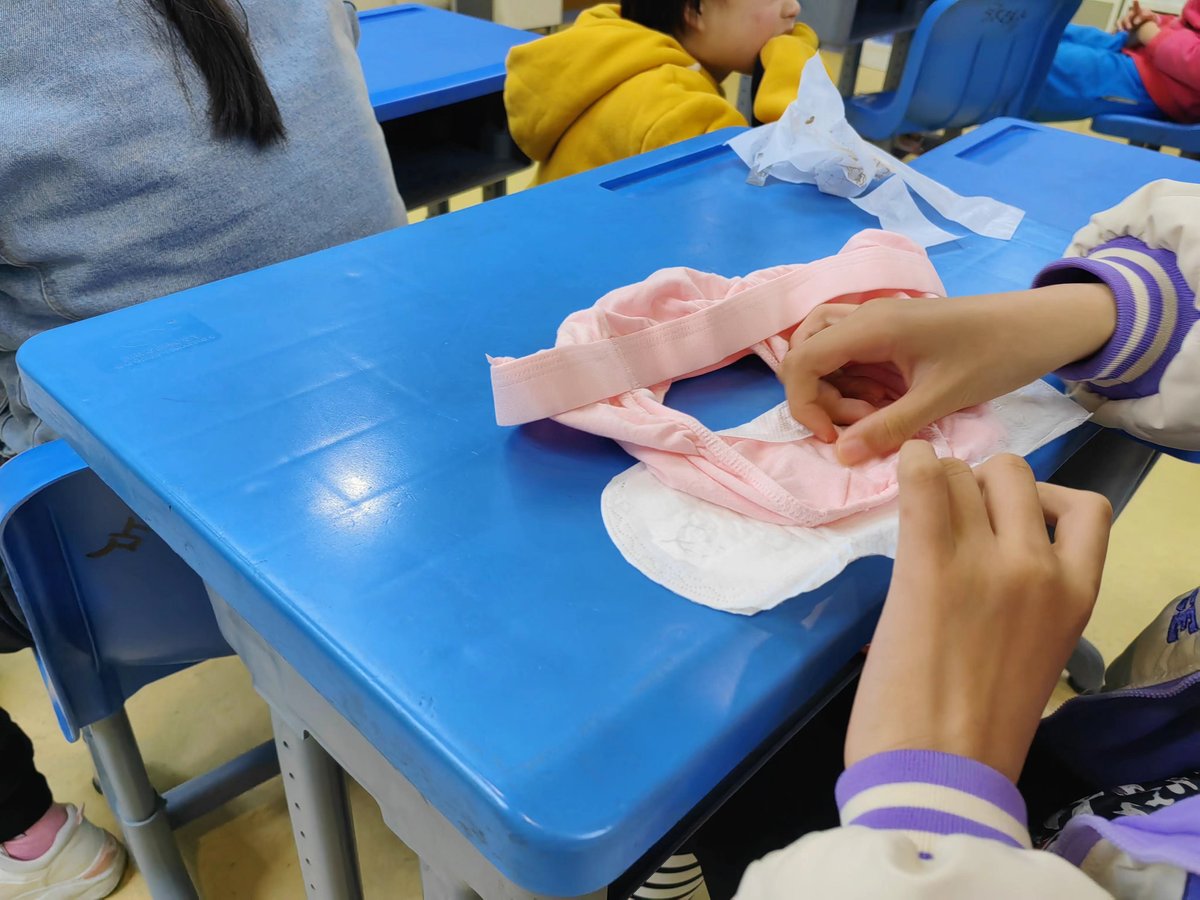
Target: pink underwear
612,364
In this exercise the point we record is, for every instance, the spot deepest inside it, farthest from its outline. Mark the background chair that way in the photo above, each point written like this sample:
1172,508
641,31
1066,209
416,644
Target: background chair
969,61
1152,133
112,608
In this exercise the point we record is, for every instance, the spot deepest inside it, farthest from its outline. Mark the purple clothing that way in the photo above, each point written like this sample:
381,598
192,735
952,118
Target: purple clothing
930,793
1155,310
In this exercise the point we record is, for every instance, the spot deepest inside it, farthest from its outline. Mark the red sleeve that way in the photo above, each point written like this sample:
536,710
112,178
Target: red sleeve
1176,52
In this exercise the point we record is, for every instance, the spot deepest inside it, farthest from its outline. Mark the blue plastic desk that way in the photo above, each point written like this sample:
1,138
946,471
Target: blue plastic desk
316,439
436,79
417,57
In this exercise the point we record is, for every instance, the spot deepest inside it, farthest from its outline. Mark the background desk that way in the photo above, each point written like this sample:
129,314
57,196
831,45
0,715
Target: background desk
436,81
435,598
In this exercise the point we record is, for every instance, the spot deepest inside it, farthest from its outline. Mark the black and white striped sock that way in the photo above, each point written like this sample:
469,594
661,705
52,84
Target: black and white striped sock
677,879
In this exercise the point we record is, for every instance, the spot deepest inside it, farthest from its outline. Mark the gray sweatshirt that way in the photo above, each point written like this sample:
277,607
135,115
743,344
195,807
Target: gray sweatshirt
114,191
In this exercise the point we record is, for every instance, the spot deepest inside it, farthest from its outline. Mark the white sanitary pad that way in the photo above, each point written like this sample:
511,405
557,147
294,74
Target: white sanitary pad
728,561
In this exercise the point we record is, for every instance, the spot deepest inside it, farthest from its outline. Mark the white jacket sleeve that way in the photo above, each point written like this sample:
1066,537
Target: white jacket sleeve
920,824
1146,380
864,864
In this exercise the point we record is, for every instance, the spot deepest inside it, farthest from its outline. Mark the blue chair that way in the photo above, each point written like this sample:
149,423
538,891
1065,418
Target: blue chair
111,609
1152,133
970,61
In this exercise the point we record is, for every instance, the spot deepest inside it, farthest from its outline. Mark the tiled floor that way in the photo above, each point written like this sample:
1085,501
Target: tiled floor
193,721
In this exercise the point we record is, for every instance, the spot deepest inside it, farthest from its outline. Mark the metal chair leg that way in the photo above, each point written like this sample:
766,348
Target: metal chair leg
139,809
1085,668
199,796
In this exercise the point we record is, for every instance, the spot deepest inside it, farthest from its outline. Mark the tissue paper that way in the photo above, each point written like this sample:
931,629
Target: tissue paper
814,144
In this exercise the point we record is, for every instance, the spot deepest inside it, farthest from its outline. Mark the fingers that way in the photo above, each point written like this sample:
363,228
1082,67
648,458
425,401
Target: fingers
819,319
968,514
847,410
802,374
812,414
842,410
925,523
1133,18
861,388
837,405
812,358
1014,506
885,430
1082,521
884,375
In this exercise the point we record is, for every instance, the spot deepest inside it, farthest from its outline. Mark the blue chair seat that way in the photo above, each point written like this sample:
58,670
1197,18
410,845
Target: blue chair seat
1153,133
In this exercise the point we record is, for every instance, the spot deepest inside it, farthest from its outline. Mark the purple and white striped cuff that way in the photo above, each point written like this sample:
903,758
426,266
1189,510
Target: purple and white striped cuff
928,795
1155,310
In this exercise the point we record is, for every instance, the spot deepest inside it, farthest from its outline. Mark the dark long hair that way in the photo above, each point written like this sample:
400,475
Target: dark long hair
240,102
666,16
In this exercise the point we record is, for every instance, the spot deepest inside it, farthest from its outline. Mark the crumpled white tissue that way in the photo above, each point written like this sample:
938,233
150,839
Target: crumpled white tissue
728,561
814,144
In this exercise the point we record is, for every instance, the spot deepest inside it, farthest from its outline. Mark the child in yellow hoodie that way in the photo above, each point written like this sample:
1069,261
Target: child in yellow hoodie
630,78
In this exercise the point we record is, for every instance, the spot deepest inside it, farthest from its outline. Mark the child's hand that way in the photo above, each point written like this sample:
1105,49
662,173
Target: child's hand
983,611
908,362
1147,31
1133,20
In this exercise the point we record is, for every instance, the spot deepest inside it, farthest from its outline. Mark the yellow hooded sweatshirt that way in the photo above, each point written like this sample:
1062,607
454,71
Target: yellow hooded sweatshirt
607,88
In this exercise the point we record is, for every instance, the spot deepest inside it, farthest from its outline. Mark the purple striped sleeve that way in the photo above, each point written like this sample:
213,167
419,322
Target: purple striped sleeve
932,821
930,793
1155,310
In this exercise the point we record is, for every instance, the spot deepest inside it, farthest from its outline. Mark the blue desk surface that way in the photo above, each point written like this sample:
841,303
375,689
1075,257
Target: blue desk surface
316,439
416,58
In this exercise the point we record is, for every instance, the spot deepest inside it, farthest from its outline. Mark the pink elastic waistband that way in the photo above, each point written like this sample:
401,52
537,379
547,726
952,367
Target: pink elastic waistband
569,376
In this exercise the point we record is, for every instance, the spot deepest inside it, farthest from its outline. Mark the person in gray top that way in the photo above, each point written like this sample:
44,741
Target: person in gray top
148,146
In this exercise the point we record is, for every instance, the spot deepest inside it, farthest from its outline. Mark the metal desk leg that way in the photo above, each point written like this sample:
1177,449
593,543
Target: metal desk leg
848,76
437,886
320,813
441,847
479,9
495,189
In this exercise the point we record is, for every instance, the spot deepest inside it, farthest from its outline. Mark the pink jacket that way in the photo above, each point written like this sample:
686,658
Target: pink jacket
1170,64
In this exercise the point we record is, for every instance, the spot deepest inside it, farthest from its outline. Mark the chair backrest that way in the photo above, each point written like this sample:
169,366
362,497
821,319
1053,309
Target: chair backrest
111,607
971,61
